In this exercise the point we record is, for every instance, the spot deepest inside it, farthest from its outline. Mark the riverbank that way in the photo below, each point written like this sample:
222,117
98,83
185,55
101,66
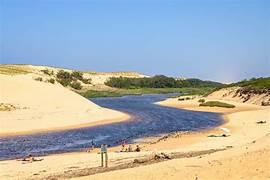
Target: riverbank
245,153
31,106
118,92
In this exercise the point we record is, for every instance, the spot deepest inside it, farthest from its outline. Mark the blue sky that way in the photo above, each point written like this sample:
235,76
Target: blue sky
223,40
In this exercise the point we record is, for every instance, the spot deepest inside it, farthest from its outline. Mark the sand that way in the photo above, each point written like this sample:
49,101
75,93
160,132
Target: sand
42,106
246,154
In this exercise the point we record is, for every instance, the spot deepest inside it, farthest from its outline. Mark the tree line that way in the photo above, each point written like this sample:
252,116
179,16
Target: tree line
159,81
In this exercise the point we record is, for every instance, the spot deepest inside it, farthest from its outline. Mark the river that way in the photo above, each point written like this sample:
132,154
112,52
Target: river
148,119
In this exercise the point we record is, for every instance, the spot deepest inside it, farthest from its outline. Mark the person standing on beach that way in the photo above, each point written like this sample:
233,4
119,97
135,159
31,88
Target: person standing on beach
123,146
92,144
130,148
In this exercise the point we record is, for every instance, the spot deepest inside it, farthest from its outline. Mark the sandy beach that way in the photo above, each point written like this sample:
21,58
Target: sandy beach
244,154
42,106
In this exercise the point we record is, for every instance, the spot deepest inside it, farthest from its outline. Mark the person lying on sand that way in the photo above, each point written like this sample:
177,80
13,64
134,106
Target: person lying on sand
261,122
30,159
222,135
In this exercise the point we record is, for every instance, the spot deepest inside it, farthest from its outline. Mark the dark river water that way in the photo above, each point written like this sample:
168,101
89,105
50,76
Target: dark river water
149,120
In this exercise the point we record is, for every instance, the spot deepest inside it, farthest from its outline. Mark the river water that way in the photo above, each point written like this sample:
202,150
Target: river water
148,119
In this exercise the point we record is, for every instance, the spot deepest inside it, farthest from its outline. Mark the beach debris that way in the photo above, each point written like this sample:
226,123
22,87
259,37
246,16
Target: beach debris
226,130
219,135
162,155
261,122
154,157
171,135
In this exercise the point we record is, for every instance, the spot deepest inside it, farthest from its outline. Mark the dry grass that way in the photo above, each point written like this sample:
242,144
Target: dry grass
14,69
7,107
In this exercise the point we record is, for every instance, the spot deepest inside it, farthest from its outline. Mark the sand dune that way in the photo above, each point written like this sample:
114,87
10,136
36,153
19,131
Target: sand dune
238,94
44,106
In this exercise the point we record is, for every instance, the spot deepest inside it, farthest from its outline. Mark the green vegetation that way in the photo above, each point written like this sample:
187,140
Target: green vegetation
71,79
139,91
217,104
254,85
201,101
47,72
257,83
159,81
39,79
51,81
86,80
76,85
77,75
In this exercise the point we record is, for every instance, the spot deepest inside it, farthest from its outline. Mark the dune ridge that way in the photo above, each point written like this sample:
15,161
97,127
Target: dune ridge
42,106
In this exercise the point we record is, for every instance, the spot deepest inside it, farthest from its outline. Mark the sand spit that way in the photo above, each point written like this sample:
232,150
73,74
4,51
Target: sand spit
42,106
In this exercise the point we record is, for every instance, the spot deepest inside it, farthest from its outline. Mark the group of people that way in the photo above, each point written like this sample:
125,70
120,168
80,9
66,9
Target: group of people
129,148
124,148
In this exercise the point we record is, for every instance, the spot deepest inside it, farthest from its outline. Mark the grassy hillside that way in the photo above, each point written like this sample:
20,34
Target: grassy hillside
258,83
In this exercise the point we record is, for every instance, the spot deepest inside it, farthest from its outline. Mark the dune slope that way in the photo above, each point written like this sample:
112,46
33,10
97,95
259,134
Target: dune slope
43,106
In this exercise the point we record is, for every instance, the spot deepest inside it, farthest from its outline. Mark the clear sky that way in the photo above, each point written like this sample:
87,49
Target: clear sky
224,40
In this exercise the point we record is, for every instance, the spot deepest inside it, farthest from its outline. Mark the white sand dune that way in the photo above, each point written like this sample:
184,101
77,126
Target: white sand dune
42,106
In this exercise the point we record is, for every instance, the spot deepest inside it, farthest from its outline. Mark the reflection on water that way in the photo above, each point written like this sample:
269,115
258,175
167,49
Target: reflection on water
149,120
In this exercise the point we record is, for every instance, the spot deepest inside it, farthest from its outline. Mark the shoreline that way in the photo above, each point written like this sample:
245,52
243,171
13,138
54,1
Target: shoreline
124,117
247,140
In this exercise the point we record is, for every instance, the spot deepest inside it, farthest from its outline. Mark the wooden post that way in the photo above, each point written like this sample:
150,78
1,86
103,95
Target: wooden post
103,151
106,159
101,159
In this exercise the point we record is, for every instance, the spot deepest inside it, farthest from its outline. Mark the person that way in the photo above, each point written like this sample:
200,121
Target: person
138,149
92,144
123,146
130,148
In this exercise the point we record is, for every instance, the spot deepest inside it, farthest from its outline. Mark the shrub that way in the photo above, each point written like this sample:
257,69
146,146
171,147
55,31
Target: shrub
77,75
87,81
201,101
217,104
264,103
38,79
51,81
76,85
64,82
188,98
63,75
181,99
46,71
